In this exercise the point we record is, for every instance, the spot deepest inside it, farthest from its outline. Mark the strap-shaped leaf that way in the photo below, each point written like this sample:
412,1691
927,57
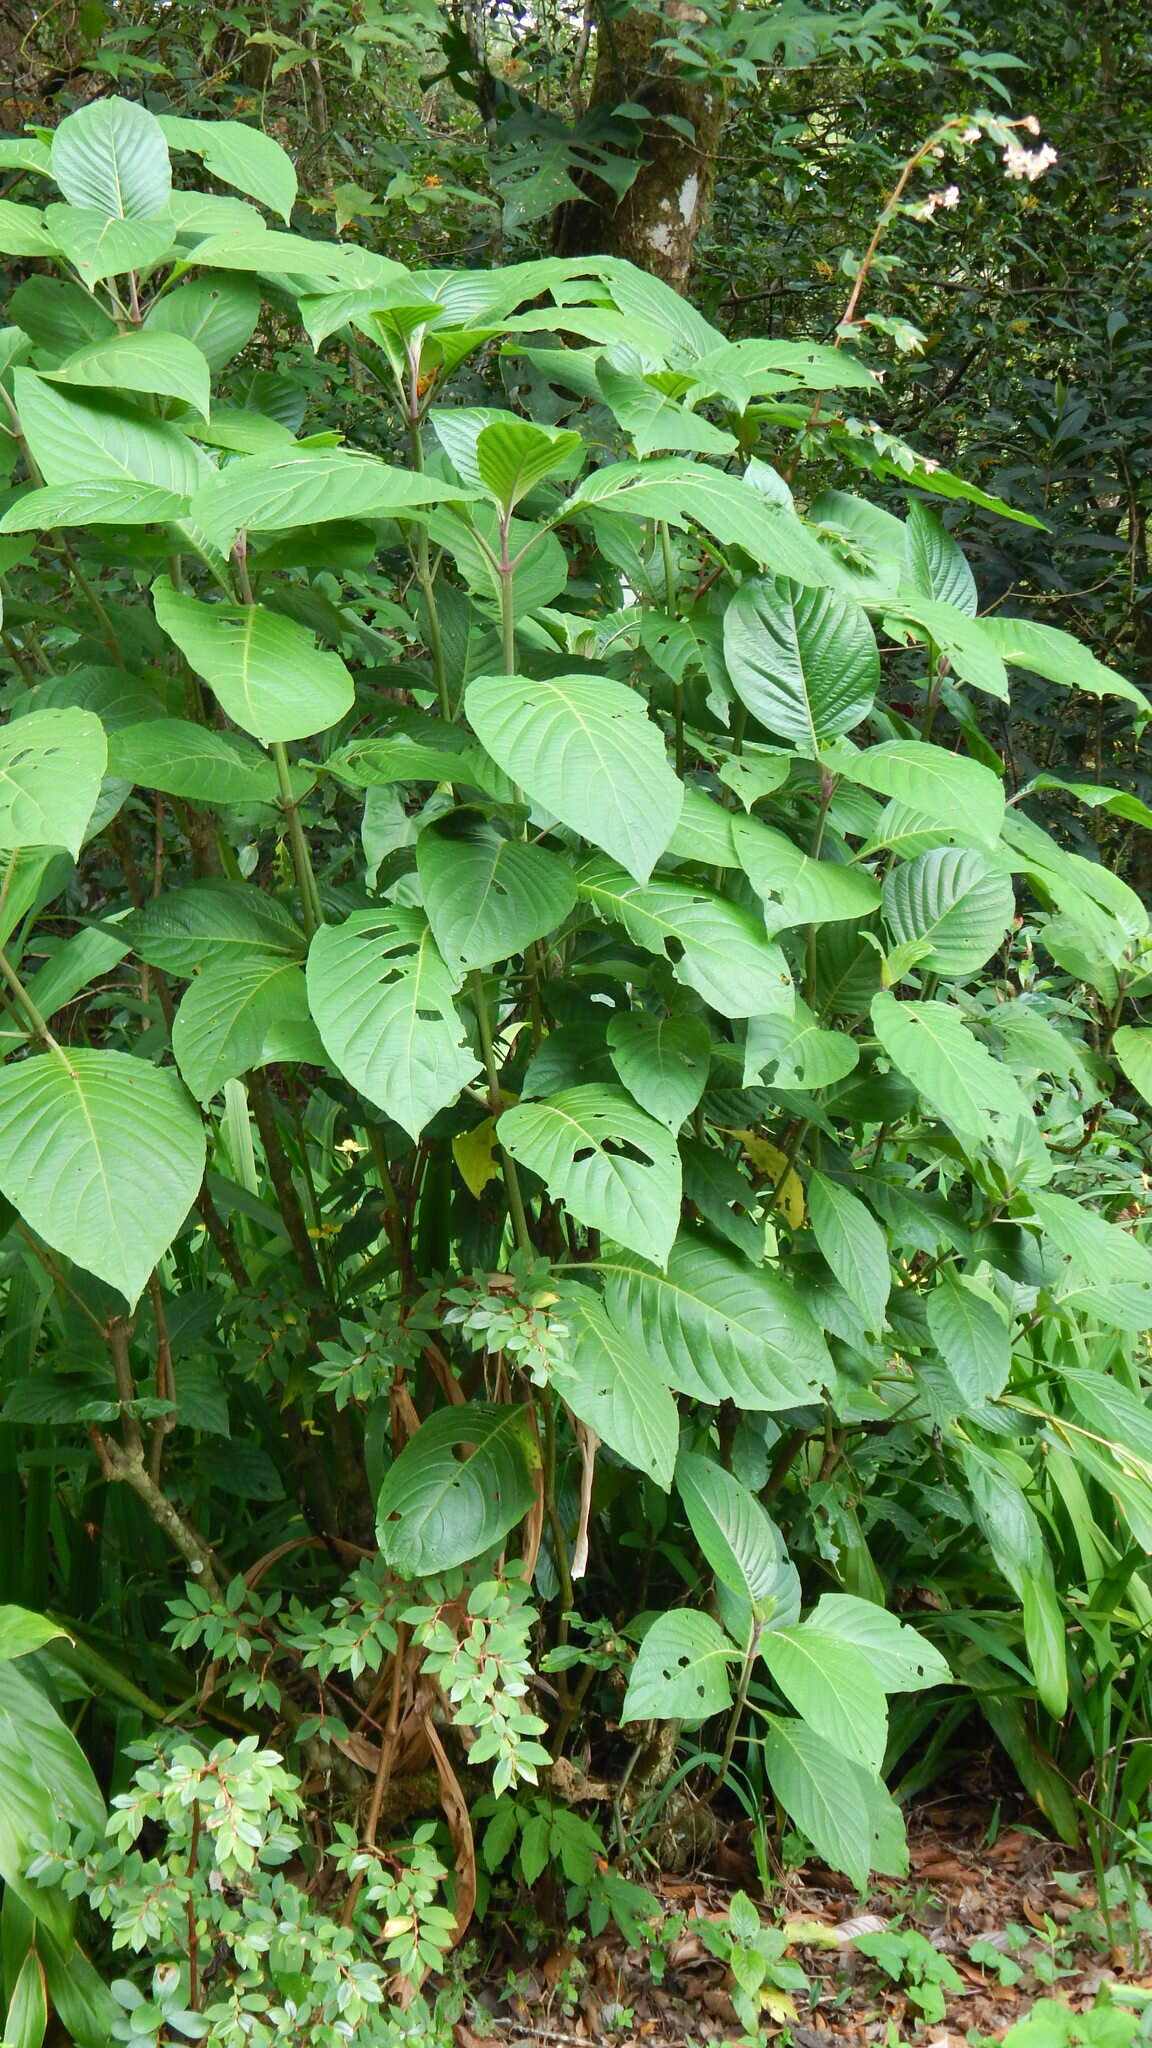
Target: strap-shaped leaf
722,1329
681,1670
614,1168
51,767
266,670
436,1509
241,1014
47,1779
662,1061
610,1383
930,1044
715,947
102,1155
804,661
488,897
739,1539
381,997
585,749
111,156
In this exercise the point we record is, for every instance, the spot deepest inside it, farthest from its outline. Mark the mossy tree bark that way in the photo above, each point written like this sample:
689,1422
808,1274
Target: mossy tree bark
657,221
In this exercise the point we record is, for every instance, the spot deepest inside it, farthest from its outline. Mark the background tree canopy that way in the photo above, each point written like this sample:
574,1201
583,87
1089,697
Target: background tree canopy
575,1079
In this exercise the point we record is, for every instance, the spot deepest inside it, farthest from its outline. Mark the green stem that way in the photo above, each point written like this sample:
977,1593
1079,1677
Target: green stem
311,909
507,1165
739,1705
423,562
37,1023
507,604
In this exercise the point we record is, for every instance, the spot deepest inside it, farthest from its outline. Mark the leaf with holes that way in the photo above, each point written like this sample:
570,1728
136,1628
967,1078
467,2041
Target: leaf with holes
381,998
902,1660
853,1245
51,767
111,156
681,1670
585,749
803,661
793,887
488,897
614,1168
953,900
103,1156
610,1383
266,670
662,1061
796,1051
721,1329
459,1486
716,947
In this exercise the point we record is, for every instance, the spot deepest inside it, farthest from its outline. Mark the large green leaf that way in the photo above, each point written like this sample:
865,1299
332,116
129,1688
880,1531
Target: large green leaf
381,997
77,440
681,1670
733,511
240,156
22,231
436,1509
241,1014
115,503
194,761
832,1686
22,1632
739,1539
111,156
58,315
902,1660
305,487
47,1779
796,1051
930,1044
722,1329
716,947
955,902
854,1246
932,782
98,247
1133,1050
934,566
964,642
51,767
266,670
185,930
662,1061
1049,652
615,1169
585,750
971,1333
102,1155
488,897
609,1381
794,888
217,315
168,364
824,1793
804,661
513,456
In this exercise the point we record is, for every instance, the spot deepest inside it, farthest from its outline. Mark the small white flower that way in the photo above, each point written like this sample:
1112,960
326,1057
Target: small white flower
1031,124
1027,163
970,135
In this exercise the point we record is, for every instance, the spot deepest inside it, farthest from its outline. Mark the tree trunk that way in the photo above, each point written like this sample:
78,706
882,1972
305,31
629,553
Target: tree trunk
656,223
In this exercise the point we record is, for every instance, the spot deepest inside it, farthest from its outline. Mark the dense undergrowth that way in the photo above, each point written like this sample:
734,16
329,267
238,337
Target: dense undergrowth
575,1144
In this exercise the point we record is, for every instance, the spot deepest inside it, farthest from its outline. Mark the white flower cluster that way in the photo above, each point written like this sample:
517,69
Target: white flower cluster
1027,163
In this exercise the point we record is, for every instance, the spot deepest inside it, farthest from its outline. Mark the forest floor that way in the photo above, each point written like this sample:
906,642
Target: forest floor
1004,1918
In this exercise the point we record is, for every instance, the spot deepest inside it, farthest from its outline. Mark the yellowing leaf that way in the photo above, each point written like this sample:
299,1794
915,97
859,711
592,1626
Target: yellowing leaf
475,1154
768,1158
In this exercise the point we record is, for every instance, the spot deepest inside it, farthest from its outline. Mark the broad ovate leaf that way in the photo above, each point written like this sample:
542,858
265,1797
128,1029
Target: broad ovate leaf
803,661
488,897
833,1688
102,1155
901,1658
266,670
681,1670
936,784
610,1382
240,156
167,364
960,1081
955,902
51,767
381,997
853,1245
971,1332
615,1169
241,1014
99,438
111,157
437,1509
739,1539
662,1061
584,749
717,948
